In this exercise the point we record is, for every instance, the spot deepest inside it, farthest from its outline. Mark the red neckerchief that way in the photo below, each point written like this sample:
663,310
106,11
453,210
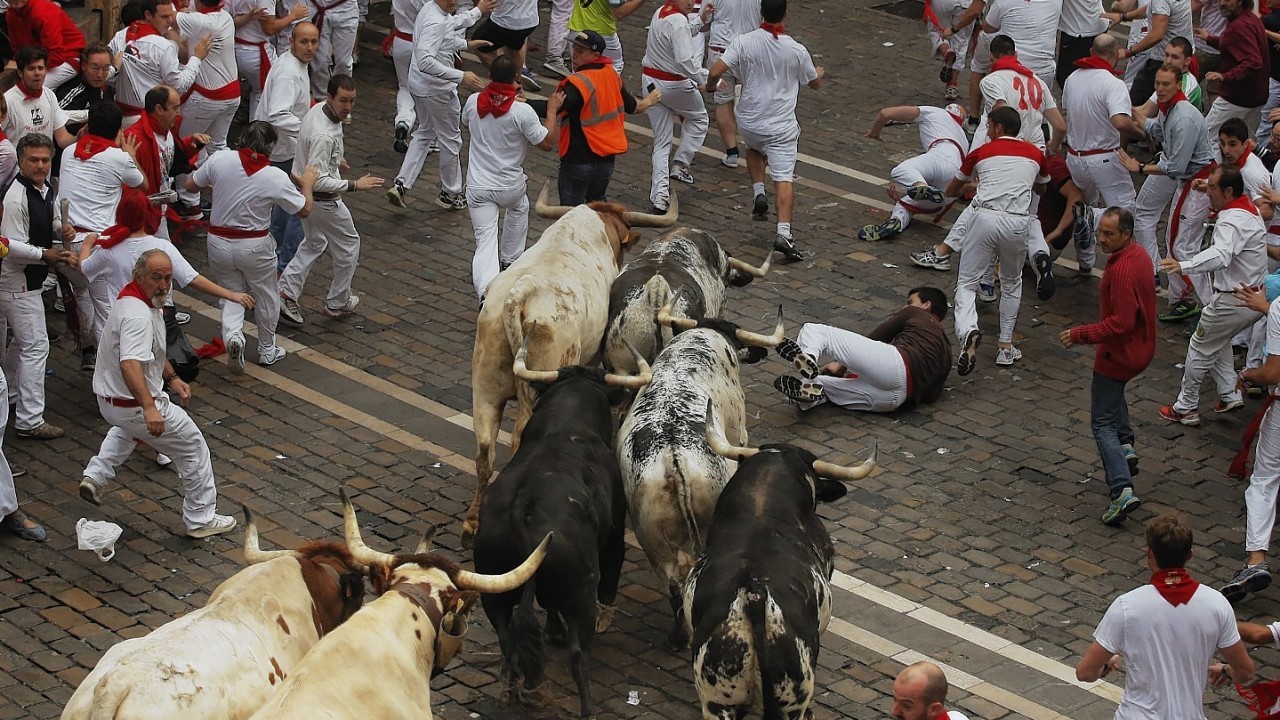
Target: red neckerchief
139,29
496,99
1093,62
3,136
1010,62
252,161
27,93
133,289
1174,585
1242,203
1166,107
775,29
89,145
112,237
668,9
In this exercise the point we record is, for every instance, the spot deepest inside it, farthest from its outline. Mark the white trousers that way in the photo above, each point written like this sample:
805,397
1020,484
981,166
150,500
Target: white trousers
992,236
492,253
934,168
558,29
1221,111
8,493
58,75
1153,199
181,440
401,55
328,226
247,265
337,43
1273,102
1191,214
25,358
957,236
249,63
680,99
213,118
1264,483
439,119
1209,351
948,12
879,374
1103,180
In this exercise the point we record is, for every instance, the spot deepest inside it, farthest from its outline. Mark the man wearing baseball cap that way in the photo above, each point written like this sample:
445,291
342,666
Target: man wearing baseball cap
592,133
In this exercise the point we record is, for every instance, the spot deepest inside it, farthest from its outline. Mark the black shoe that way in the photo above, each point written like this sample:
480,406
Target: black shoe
760,211
790,351
1082,225
401,143
787,246
1045,284
657,210
799,391
88,358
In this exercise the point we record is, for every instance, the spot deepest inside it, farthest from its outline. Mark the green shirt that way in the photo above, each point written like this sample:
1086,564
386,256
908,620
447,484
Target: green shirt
1191,89
593,15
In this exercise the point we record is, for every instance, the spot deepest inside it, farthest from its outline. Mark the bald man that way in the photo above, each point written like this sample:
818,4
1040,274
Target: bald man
920,693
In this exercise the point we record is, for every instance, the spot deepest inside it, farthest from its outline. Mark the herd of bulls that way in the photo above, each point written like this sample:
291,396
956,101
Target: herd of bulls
730,529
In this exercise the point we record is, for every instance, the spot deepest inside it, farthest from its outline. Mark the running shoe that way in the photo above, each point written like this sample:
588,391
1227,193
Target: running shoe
932,260
1007,356
1120,507
1045,284
884,231
1251,578
760,209
1180,312
925,193
968,359
290,313
790,351
1191,418
730,159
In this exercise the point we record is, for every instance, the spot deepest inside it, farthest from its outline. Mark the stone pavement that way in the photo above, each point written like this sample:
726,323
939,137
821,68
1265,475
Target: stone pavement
976,544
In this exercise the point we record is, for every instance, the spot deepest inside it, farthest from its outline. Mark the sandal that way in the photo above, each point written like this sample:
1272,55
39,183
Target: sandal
15,523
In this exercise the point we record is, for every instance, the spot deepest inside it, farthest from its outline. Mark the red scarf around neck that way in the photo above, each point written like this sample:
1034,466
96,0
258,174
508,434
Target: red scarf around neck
134,290
669,9
1174,585
496,99
139,29
1244,202
1010,62
112,237
1166,107
22,87
774,29
252,161
89,145
1093,62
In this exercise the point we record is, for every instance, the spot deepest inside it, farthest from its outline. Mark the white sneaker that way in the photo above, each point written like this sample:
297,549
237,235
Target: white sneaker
182,318
1008,356
347,308
218,525
163,460
235,355
557,67
290,313
271,357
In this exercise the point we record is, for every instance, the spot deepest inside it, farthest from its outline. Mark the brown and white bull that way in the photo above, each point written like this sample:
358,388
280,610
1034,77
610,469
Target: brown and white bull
227,658
760,595
683,267
671,476
379,664
561,286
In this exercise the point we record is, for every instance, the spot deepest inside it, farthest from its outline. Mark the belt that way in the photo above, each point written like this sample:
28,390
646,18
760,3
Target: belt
264,59
1251,287
1087,153
713,48
997,211
80,229
231,233
120,402
326,195
230,91
390,40
661,74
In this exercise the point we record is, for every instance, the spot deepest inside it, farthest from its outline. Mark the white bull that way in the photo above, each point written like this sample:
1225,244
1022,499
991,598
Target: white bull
224,660
671,476
557,292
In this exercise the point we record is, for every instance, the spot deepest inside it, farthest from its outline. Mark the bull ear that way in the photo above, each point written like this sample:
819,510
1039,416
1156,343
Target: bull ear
739,279
630,240
379,578
752,355
462,602
829,490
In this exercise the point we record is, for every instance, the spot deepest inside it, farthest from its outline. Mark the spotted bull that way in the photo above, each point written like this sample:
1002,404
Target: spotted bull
682,262
760,595
564,479
561,286
671,476
227,658
379,664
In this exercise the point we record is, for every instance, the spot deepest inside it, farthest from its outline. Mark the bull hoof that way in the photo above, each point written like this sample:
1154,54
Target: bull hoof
604,617
468,535
678,640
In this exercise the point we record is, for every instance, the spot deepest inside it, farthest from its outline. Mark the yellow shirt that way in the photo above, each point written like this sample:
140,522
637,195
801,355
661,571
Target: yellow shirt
593,15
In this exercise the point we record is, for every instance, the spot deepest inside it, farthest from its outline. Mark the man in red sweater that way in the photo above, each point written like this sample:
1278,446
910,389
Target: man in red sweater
1125,336
1244,70
44,23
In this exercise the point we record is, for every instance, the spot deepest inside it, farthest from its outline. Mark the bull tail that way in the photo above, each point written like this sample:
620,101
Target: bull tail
656,294
756,608
526,638
108,696
684,497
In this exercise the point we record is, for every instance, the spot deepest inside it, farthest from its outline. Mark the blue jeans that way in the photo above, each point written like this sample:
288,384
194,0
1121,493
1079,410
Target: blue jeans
580,183
285,228
1111,429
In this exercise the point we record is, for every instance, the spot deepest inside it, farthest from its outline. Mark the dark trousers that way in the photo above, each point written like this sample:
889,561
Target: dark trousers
584,182
285,228
1109,418
1071,49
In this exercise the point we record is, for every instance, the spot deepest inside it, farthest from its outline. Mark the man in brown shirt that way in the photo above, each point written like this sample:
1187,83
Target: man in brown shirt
902,363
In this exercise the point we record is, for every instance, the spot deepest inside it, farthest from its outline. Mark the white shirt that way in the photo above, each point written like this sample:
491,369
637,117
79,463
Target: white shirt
1082,18
134,331
1089,100
495,157
405,13
1033,25
218,69
515,14
344,12
1006,169
771,71
251,31
1238,255
1273,348
731,19
286,97
1028,95
42,115
1138,28
244,201
1166,650
670,46
1255,175
8,163
437,36
1179,13
16,226
113,267
92,186
321,144
937,126
150,61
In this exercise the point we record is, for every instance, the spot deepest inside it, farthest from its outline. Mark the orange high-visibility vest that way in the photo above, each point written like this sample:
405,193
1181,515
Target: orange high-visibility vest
601,117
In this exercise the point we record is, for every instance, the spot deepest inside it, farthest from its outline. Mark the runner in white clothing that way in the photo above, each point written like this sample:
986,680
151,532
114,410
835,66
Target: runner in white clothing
399,46
214,97
32,107
286,100
1033,26
915,184
732,18
671,65
242,254
1014,84
507,30
256,28
150,59
337,22
920,693
501,128
952,50
1097,109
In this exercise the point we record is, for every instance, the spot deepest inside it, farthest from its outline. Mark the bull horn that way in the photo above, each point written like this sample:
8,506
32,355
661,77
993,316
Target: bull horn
675,321
847,474
541,207
351,530
467,580
524,373
755,272
666,219
632,382
424,544
721,446
749,338
252,553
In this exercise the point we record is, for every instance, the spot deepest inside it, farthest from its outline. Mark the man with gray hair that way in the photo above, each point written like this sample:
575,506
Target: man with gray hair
130,379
